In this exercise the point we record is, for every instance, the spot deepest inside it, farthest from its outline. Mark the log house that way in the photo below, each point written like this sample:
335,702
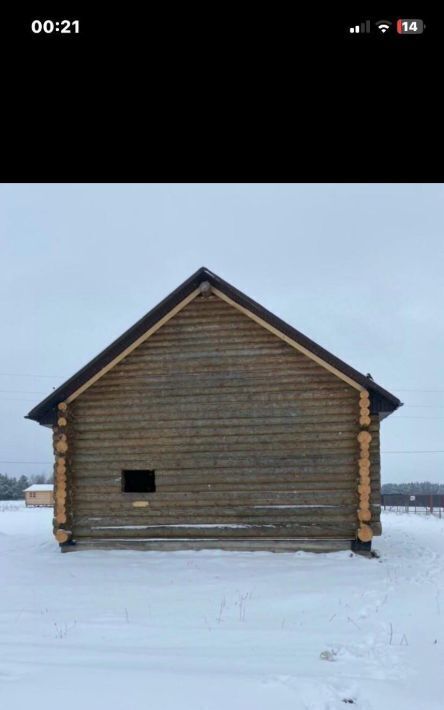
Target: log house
211,423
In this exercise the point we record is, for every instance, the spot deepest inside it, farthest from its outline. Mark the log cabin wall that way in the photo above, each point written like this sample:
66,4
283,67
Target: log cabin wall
248,438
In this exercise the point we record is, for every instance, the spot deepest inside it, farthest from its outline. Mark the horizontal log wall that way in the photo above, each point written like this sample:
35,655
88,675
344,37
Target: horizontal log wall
243,431
227,543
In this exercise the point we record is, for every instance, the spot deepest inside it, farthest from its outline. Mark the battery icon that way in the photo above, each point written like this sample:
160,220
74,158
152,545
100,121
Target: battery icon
410,27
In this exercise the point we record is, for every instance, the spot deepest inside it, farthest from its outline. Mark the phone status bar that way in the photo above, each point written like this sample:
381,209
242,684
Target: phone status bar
399,26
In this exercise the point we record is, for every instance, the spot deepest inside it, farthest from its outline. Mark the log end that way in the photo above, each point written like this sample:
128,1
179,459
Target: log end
62,535
205,289
364,516
365,533
364,437
365,420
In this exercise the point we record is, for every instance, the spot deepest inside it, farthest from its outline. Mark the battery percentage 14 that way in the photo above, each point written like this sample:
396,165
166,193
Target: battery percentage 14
410,27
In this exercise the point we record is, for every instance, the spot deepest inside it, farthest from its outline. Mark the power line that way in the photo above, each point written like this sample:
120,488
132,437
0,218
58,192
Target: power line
60,377
21,392
413,452
50,463
425,451
434,419
9,399
423,406
402,389
54,377
21,374
39,463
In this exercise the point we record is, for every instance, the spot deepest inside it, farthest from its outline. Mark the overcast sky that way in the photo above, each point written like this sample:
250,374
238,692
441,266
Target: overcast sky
357,268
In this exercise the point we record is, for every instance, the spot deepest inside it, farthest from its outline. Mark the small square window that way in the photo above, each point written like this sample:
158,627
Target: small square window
140,481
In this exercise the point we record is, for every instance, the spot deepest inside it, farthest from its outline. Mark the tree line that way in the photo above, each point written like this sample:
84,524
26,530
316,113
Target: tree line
12,488
414,488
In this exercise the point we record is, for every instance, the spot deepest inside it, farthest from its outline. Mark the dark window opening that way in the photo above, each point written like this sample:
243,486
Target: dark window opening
138,481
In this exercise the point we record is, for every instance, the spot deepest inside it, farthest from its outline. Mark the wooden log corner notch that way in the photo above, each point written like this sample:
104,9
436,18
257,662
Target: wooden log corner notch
62,536
364,409
61,451
364,533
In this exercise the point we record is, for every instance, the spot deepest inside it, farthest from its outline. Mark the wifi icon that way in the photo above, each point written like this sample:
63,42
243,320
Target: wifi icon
383,25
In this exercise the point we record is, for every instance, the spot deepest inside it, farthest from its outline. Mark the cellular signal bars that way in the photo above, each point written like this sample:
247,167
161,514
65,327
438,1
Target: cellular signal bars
364,27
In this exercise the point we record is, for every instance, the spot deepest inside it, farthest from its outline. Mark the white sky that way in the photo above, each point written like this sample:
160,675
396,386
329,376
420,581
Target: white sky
358,268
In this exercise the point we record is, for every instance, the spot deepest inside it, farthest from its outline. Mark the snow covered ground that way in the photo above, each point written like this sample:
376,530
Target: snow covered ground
220,630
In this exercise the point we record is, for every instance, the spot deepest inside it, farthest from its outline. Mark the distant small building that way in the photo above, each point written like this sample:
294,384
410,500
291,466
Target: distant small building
39,494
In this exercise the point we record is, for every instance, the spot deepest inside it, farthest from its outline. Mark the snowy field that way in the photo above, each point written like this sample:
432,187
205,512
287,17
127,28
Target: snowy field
221,630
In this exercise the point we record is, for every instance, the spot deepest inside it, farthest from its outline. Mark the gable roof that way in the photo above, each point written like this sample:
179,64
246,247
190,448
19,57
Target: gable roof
40,487
45,413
